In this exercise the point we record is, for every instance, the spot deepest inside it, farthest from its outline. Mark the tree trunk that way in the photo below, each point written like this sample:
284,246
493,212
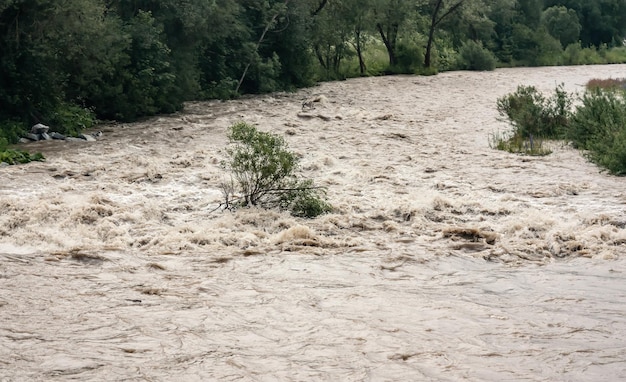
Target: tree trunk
431,34
319,56
434,22
359,52
258,44
389,40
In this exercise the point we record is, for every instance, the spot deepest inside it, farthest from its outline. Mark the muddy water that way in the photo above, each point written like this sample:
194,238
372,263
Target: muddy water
443,259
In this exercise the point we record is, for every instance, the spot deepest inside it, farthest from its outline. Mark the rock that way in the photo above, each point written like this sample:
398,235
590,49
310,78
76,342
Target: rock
87,137
74,139
39,129
45,136
56,135
24,140
32,137
4,164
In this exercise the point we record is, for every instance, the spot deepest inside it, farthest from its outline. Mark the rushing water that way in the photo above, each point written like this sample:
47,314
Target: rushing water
443,260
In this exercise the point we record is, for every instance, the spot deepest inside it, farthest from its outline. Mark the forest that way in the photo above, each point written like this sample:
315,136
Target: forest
70,63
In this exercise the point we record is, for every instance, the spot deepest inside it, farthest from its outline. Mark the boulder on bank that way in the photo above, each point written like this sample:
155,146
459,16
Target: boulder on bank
39,128
33,137
87,137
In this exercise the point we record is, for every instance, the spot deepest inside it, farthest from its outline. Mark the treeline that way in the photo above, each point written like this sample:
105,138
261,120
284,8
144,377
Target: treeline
66,63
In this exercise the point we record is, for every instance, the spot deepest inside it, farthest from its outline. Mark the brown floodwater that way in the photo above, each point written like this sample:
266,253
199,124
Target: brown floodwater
443,259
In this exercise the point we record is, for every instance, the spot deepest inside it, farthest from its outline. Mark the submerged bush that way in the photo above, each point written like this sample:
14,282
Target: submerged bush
518,144
534,118
11,156
18,156
264,173
531,114
599,126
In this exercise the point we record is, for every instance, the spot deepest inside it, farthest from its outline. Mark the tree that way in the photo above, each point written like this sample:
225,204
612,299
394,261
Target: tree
50,52
264,173
357,14
279,56
438,11
143,80
602,21
342,24
389,17
269,25
529,12
503,14
562,24
330,40
472,22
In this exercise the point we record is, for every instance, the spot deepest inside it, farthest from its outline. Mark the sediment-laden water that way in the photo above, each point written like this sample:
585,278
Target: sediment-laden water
443,260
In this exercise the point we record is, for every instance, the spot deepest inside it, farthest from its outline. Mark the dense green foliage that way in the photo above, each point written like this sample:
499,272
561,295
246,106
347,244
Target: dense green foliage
534,118
532,114
10,156
264,173
473,56
597,124
599,127
67,63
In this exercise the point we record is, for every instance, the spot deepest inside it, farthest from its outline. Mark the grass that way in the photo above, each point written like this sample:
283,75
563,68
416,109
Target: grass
517,144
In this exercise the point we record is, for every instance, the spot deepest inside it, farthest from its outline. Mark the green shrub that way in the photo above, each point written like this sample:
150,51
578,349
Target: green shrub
615,55
264,173
523,109
70,119
550,51
518,144
432,71
224,89
534,118
447,58
304,200
11,156
408,57
574,54
609,151
600,114
12,131
531,114
474,56
599,126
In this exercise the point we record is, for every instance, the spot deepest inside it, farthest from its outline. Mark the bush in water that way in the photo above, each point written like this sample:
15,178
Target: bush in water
533,118
264,170
599,127
10,156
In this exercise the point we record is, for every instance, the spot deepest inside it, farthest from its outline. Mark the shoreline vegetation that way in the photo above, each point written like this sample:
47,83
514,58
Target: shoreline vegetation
74,64
595,125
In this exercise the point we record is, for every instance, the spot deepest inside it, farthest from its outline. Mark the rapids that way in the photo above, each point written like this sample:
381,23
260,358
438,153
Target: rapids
443,260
